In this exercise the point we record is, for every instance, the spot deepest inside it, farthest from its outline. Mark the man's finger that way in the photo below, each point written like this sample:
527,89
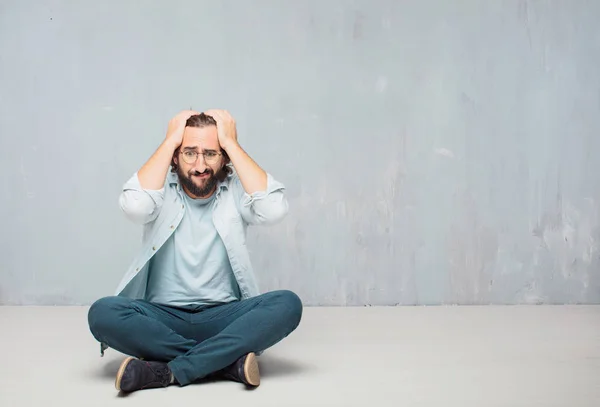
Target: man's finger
226,115
215,114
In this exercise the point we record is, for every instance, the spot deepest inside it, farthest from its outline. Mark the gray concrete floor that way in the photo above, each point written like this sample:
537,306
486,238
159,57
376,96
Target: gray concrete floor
410,356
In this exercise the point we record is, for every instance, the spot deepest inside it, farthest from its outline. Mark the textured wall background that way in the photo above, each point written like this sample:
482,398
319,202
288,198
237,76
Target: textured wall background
434,151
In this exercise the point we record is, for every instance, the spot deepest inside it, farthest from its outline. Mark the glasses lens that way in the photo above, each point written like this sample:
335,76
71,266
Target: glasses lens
210,158
189,157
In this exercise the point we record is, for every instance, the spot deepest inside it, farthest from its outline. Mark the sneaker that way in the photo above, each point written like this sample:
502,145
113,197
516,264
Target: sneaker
244,370
135,374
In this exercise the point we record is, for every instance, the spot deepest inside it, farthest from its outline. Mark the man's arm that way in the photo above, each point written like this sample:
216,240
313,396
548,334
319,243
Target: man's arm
262,198
142,195
153,173
252,177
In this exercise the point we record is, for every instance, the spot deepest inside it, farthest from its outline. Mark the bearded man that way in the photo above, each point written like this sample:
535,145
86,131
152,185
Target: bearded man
189,306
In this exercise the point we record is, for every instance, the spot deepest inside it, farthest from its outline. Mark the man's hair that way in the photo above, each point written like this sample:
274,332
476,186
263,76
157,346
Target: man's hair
200,121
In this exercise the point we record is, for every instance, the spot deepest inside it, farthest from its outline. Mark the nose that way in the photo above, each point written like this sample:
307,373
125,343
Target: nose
199,167
200,164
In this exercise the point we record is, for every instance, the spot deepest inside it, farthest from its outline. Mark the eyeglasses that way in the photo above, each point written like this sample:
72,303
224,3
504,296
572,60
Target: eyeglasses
210,157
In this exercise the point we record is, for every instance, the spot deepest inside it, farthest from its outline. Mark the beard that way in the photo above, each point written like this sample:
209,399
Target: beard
200,190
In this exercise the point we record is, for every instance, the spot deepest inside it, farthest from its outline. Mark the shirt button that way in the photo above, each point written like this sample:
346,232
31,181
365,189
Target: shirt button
153,247
182,206
172,226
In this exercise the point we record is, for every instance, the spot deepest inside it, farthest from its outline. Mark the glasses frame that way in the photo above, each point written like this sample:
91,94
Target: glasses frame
203,154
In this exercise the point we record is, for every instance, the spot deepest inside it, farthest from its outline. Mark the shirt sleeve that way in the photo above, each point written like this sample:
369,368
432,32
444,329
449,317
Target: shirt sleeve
263,207
140,205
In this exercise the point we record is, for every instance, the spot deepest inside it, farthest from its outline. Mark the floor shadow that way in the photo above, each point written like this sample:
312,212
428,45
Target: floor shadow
123,394
271,366
110,368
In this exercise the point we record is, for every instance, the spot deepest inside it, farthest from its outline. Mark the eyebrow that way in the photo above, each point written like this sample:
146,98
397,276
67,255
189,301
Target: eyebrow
208,150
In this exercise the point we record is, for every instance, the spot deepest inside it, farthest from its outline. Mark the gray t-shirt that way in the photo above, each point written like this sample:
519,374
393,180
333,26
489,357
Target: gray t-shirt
192,268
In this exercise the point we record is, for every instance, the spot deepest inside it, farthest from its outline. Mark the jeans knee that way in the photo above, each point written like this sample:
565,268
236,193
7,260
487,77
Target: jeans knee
102,314
290,306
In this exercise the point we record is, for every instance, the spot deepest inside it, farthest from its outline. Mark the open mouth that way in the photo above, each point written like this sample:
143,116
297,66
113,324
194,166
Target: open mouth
202,175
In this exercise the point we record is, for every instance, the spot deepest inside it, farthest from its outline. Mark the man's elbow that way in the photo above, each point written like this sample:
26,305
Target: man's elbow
271,211
278,212
139,209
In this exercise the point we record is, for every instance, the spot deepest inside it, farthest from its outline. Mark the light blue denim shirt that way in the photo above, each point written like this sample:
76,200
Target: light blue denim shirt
160,211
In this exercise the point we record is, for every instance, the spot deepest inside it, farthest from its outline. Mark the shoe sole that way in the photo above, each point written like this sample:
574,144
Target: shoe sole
121,371
251,370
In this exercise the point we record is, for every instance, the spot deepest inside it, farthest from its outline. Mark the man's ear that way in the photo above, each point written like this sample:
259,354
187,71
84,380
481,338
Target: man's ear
175,159
226,159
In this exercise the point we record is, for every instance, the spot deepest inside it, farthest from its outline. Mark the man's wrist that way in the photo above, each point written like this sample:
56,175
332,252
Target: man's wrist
170,145
229,146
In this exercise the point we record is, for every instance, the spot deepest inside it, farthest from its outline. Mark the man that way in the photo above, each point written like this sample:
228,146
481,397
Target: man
189,307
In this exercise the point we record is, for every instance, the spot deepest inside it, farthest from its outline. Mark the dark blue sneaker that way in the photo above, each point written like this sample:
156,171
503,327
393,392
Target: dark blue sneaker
244,370
135,374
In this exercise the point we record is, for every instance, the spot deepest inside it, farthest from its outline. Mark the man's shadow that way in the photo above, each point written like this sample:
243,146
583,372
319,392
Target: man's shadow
110,368
274,366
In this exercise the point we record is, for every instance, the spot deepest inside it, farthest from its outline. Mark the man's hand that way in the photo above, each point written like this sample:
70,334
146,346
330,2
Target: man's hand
177,126
252,177
226,129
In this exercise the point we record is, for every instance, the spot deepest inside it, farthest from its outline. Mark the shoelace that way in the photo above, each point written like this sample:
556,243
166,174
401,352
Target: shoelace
162,372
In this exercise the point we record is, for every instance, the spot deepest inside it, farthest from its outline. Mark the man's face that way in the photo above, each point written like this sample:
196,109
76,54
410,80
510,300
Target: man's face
198,177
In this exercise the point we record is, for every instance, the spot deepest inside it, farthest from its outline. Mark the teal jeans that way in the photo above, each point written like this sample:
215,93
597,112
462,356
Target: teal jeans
195,343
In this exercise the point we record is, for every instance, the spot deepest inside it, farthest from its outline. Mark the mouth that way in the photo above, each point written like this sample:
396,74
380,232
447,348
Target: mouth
201,175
